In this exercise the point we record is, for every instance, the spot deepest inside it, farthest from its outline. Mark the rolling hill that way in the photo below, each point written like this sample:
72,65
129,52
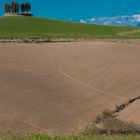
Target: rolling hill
60,87
13,27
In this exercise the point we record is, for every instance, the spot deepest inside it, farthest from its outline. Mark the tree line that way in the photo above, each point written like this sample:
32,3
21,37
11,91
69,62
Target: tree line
16,8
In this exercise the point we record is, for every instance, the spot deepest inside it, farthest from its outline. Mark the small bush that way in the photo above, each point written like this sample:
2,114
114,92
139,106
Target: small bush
117,109
97,119
106,114
91,129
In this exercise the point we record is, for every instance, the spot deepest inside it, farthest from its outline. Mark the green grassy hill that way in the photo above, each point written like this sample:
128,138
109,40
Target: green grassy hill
12,27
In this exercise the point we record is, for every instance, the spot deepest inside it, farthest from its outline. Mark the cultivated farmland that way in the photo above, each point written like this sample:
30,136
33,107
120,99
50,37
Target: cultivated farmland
60,87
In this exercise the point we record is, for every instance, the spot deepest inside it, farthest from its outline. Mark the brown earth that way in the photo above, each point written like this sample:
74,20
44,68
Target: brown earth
131,113
61,87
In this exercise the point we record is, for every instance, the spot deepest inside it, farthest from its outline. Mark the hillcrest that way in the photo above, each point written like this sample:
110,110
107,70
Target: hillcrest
17,9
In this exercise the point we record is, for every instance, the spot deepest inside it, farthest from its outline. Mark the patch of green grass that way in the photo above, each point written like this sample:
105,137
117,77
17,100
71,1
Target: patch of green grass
32,27
33,136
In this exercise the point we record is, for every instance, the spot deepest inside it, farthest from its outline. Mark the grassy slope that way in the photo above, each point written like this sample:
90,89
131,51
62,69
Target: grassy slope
38,27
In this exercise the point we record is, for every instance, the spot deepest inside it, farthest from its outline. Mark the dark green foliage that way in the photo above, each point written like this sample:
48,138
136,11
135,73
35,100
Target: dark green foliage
25,7
22,7
7,8
28,7
15,7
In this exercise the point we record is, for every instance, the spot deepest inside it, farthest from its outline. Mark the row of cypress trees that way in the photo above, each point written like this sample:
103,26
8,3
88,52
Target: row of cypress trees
15,7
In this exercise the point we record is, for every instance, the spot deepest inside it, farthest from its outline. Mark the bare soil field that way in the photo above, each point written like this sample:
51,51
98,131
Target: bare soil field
61,87
131,113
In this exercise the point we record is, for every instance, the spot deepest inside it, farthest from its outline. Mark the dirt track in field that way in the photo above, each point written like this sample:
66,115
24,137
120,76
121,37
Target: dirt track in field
60,87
